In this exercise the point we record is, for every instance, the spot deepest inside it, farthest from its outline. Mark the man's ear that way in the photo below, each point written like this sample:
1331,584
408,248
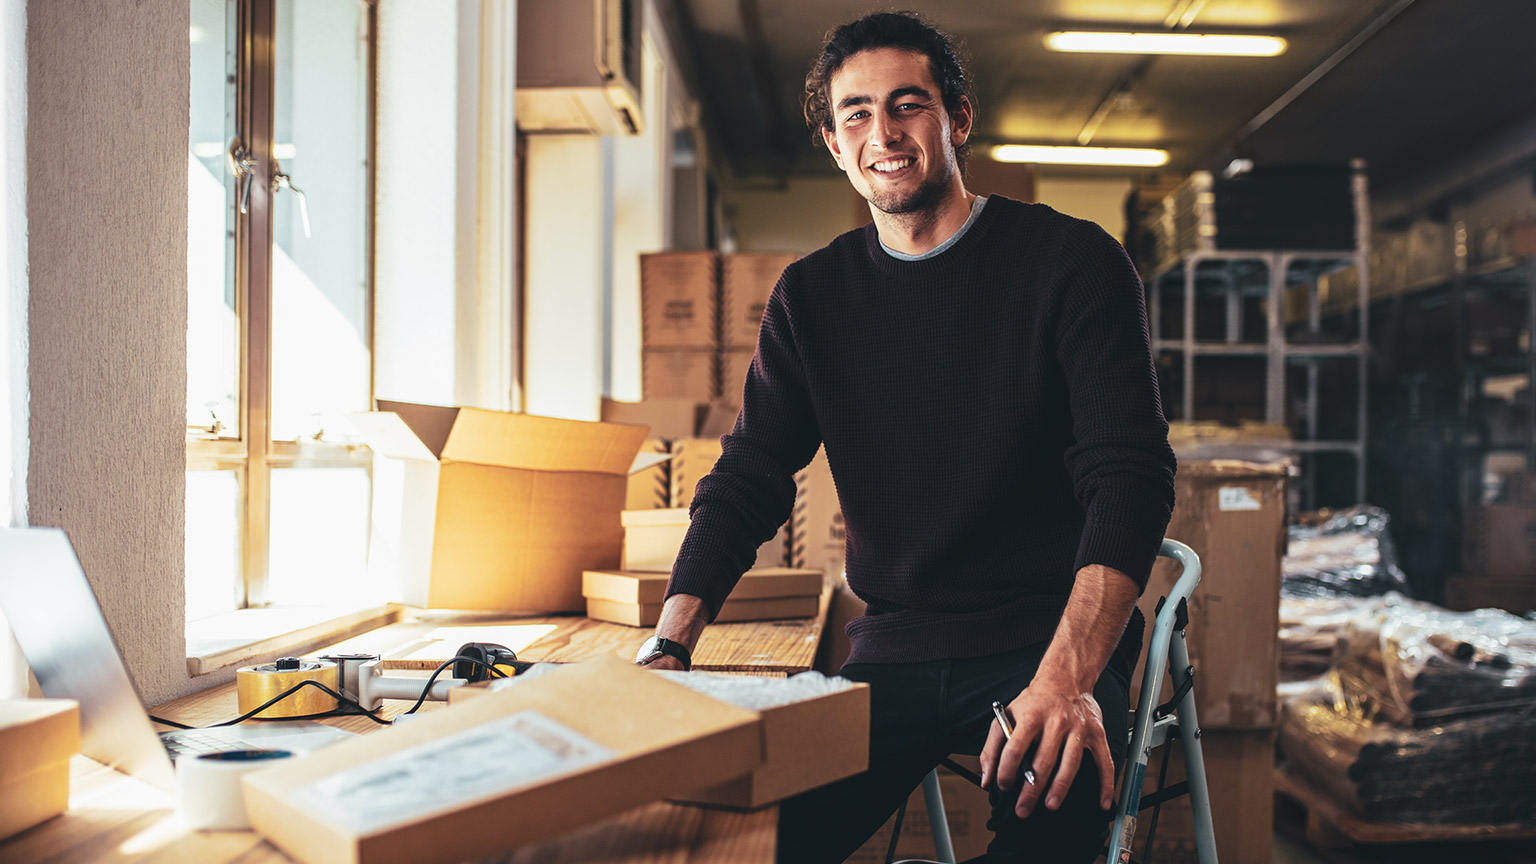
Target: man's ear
831,141
960,122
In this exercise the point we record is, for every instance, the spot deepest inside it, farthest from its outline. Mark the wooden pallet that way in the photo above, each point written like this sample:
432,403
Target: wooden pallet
1329,826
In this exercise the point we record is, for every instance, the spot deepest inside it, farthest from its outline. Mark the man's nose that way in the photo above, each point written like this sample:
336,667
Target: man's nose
885,130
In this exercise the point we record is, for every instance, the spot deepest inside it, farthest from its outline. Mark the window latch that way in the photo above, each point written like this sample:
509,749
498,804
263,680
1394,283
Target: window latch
283,181
243,167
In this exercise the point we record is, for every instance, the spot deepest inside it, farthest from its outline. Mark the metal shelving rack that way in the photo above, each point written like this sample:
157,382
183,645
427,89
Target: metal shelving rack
1287,269
1513,276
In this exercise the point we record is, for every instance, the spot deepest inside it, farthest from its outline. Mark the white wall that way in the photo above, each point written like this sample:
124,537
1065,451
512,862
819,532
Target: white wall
106,187
13,304
444,276
1095,199
801,216
568,274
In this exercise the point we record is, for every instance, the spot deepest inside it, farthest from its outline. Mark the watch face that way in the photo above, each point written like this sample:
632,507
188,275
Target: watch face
647,648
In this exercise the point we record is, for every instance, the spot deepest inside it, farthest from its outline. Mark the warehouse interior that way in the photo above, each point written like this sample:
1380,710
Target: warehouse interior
331,325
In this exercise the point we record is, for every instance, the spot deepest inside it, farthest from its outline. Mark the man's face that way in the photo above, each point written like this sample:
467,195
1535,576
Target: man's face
891,134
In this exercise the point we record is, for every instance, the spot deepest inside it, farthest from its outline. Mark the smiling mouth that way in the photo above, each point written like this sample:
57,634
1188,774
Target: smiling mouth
891,166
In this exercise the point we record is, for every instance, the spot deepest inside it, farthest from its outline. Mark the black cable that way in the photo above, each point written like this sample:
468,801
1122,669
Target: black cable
296,688
340,698
492,670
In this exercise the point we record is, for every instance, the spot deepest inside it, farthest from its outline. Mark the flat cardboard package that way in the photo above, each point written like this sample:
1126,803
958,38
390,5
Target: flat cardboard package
746,280
37,737
1240,772
678,300
652,539
487,510
806,744
1233,515
762,594
819,737
505,768
679,373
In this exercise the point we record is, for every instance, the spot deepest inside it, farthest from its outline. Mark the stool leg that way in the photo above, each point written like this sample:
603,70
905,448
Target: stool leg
1194,758
938,822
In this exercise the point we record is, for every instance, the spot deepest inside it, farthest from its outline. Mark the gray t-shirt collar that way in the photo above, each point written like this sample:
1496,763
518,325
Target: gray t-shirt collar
954,238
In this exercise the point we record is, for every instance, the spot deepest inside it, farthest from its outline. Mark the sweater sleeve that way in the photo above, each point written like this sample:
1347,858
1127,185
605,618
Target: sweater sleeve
1121,465
750,492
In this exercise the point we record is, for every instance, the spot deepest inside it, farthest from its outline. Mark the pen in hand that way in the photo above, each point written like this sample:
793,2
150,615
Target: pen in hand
1003,721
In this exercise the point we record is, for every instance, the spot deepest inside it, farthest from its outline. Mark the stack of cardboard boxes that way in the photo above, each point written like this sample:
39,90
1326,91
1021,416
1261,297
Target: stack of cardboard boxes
1232,514
700,312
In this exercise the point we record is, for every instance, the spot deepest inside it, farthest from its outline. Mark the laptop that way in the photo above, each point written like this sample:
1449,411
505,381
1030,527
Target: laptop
53,612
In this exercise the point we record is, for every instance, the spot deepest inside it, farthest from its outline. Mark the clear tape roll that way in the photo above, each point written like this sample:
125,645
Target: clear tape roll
255,685
208,793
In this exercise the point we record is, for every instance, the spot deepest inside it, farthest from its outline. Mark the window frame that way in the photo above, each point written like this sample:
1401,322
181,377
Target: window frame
253,455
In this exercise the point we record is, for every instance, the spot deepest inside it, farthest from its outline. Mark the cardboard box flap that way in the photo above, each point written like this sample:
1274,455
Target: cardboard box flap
542,443
430,423
667,418
648,460
389,435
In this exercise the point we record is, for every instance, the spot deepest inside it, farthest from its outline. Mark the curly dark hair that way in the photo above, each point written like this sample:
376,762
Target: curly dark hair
908,31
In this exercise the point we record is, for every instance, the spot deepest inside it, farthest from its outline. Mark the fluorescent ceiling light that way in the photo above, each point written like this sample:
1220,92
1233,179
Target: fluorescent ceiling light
1138,157
1166,43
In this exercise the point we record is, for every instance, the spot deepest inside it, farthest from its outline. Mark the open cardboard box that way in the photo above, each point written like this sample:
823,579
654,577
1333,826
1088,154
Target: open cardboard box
488,510
806,744
509,767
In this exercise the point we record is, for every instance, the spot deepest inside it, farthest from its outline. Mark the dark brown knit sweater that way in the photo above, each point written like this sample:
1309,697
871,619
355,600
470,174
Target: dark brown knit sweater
991,418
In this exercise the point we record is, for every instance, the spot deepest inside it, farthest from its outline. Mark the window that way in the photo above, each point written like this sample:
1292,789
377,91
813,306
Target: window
279,340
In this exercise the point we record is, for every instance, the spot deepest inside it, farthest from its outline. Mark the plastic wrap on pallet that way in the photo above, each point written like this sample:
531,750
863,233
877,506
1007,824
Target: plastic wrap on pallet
1346,552
1469,770
1418,666
1309,630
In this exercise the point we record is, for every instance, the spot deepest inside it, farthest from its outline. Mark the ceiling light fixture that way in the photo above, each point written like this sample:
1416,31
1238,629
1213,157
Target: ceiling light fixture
1227,45
1136,157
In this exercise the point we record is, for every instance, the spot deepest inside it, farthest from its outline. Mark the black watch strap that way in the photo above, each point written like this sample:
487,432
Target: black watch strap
671,648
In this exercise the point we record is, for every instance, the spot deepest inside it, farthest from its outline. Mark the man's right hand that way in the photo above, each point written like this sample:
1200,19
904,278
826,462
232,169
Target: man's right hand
665,661
683,619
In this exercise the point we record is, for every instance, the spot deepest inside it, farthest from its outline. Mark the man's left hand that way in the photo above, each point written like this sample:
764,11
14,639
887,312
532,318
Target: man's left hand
1065,720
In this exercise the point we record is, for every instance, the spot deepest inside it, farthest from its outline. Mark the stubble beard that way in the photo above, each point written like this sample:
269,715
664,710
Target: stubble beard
918,204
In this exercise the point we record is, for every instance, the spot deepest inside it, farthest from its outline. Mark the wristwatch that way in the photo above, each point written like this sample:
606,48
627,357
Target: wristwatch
656,646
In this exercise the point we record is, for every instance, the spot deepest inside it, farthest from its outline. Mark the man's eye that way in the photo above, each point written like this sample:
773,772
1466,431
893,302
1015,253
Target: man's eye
908,106
857,115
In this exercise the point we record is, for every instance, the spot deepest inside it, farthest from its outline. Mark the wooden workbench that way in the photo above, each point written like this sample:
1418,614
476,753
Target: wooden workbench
114,817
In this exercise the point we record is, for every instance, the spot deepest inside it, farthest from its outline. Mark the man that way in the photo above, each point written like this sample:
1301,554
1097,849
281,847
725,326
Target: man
979,372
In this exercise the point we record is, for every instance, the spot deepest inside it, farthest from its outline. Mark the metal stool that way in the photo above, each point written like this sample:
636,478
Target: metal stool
1150,727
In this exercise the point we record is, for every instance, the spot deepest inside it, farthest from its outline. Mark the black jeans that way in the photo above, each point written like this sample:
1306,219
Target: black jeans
923,712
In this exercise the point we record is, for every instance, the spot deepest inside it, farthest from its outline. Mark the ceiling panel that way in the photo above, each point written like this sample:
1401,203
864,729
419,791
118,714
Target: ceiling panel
1435,73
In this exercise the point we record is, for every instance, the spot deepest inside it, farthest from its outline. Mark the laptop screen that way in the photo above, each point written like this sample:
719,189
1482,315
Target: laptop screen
57,622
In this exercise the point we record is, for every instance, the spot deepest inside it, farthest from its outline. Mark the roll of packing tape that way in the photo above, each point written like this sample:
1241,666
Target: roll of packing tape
256,685
208,793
